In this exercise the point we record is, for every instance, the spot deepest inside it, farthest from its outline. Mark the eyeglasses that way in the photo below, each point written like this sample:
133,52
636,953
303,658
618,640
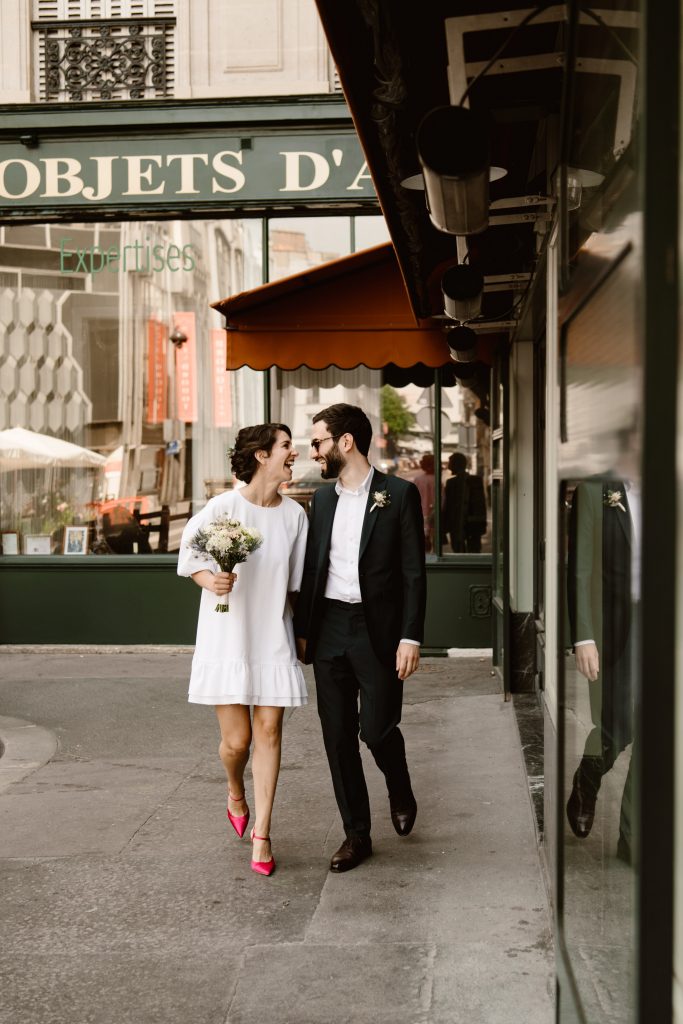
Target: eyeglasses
317,441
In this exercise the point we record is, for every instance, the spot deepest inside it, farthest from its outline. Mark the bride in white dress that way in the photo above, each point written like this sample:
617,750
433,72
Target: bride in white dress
247,657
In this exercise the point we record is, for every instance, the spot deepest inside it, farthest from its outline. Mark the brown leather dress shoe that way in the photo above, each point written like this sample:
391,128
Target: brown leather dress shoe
352,852
403,817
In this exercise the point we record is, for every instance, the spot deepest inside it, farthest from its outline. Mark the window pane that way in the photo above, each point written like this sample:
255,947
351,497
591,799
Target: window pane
108,342
370,231
297,243
600,555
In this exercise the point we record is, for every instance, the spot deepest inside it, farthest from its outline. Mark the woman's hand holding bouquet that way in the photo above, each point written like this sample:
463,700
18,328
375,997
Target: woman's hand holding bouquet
227,542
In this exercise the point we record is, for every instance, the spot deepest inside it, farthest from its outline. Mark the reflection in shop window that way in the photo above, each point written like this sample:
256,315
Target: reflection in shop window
402,444
296,244
109,343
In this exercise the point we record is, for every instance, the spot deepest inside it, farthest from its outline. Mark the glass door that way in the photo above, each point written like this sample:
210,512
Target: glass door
499,507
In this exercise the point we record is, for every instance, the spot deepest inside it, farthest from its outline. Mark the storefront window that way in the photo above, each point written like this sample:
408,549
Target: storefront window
601,498
117,411
299,243
601,495
369,231
109,344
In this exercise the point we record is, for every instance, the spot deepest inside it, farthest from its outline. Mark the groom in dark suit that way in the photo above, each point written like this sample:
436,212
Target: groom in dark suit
359,619
601,524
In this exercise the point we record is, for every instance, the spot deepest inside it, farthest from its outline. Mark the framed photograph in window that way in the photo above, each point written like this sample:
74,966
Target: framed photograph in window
76,540
10,542
37,544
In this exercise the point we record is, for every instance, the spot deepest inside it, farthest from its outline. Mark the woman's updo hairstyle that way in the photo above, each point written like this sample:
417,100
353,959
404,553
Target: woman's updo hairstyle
250,440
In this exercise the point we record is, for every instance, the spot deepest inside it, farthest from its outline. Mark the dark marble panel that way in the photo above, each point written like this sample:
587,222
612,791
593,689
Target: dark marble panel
522,652
529,713
551,768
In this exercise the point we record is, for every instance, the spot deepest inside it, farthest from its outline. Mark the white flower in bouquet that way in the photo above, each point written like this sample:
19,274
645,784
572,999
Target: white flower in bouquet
227,542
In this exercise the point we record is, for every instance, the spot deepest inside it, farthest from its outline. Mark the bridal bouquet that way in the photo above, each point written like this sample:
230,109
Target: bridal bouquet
227,542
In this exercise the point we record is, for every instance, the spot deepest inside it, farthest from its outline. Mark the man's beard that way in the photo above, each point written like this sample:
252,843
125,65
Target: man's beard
334,463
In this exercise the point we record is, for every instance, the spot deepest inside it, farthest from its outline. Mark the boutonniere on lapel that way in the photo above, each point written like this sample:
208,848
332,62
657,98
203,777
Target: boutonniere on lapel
612,499
380,499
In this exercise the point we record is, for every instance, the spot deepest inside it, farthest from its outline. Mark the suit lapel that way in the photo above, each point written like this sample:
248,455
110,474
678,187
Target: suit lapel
326,529
376,484
623,518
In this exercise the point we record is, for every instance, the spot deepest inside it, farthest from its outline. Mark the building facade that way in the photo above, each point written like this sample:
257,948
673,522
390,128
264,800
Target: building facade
149,166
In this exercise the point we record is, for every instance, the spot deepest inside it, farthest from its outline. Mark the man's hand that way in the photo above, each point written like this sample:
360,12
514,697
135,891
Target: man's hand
407,660
300,648
587,661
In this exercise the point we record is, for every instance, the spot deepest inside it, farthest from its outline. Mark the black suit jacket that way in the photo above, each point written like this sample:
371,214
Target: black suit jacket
391,567
599,567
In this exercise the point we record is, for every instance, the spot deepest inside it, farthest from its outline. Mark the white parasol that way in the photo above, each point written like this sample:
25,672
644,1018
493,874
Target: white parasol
26,449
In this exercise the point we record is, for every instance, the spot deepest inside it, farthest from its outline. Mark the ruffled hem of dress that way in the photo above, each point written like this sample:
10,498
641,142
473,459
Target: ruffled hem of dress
249,700
240,682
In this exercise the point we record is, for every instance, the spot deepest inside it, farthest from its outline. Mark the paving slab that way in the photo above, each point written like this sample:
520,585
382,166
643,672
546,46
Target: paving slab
333,982
128,900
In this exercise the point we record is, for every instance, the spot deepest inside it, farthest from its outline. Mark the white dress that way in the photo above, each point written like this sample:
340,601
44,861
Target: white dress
248,655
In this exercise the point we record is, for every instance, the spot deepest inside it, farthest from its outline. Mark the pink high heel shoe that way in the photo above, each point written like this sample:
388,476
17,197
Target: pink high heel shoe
262,867
238,821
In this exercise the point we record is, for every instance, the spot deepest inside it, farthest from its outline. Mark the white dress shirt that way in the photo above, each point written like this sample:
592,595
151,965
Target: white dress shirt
343,583
635,505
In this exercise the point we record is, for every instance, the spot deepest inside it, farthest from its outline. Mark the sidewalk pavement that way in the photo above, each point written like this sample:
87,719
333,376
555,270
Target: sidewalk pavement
126,900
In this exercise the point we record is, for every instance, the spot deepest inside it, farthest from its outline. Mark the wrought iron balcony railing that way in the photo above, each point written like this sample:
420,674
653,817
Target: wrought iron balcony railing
113,59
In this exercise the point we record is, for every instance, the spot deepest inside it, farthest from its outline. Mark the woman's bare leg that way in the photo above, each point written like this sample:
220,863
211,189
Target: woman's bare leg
265,767
235,726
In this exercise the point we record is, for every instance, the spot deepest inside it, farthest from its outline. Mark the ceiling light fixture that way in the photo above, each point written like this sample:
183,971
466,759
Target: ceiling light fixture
416,182
462,287
462,344
453,150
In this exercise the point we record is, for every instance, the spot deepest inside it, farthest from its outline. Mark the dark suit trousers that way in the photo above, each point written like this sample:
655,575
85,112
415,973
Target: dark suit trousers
358,693
612,713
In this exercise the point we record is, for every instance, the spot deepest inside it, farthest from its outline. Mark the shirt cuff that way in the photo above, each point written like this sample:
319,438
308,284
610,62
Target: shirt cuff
415,643
582,643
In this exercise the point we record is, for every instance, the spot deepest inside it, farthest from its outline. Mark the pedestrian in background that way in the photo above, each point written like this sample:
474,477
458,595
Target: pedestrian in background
464,507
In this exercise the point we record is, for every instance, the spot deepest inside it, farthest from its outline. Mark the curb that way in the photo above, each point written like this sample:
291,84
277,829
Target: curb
25,747
84,649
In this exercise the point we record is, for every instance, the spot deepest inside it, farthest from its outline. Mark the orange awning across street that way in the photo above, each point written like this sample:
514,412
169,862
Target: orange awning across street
350,312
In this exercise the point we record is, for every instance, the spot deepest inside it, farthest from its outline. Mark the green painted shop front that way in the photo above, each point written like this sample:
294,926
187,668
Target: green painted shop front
139,600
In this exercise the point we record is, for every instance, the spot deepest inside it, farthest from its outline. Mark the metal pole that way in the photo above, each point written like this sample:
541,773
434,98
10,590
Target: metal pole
265,274
438,547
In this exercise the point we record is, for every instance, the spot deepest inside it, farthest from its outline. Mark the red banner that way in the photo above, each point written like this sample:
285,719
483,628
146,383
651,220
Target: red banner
186,368
222,398
157,336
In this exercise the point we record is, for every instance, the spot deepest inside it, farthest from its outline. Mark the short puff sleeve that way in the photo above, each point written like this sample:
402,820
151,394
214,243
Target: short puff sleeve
189,561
